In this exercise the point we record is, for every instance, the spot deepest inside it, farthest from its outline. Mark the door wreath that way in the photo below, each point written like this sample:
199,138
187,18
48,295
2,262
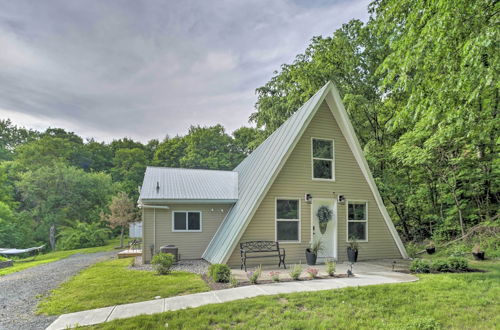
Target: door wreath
324,215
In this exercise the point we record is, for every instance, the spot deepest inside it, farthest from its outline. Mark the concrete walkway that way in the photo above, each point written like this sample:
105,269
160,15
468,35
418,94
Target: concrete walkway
100,315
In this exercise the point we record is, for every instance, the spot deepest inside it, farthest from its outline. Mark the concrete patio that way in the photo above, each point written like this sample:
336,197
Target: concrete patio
366,273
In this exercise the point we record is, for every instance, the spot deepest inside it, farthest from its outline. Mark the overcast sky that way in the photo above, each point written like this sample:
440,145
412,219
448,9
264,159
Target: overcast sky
145,69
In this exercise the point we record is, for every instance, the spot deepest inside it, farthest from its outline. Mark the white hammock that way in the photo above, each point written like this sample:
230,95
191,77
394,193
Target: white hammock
19,251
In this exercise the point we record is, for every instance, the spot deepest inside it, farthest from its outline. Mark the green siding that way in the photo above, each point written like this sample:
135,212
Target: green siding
294,180
191,244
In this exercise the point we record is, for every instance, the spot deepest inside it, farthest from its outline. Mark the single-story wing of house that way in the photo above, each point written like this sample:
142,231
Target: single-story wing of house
308,181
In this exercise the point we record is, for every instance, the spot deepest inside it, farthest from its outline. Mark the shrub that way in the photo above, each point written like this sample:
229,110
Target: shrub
220,273
162,263
255,275
440,265
458,264
82,235
3,259
275,276
420,266
330,267
233,282
312,272
412,249
295,272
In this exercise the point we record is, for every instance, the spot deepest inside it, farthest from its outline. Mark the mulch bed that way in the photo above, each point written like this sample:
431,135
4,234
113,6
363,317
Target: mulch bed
219,286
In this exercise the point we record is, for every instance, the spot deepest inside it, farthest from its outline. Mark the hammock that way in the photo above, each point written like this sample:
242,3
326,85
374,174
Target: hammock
19,251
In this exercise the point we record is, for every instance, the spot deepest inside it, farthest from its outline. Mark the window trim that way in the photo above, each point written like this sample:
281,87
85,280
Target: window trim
187,230
356,201
317,158
276,220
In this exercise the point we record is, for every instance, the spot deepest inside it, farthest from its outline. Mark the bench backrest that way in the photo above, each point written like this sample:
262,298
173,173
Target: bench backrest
260,246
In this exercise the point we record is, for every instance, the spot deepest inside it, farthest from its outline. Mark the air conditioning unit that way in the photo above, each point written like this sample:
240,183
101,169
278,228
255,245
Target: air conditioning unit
308,198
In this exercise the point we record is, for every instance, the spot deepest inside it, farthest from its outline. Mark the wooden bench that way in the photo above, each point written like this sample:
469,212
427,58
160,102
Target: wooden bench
263,248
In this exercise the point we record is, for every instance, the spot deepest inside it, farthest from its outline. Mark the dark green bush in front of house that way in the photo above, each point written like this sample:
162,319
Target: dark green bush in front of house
162,263
219,273
458,264
441,265
420,266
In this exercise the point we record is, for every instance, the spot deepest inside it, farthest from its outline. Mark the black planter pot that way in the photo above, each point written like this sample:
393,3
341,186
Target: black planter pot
431,250
352,255
478,255
311,257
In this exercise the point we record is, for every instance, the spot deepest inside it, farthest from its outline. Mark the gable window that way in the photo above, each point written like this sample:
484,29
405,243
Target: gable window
357,221
322,159
185,221
287,220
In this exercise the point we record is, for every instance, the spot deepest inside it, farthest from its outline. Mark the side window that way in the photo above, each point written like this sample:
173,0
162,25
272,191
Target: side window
323,159
288,220
357,221
186,221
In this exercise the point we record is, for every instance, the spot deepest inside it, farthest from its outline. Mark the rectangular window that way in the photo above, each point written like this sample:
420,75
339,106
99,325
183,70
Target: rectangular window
186,221
357,221
288,220
322,159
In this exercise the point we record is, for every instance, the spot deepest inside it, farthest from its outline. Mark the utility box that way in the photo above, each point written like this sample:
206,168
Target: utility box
172,249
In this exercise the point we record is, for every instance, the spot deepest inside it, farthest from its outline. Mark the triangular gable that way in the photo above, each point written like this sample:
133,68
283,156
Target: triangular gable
259,170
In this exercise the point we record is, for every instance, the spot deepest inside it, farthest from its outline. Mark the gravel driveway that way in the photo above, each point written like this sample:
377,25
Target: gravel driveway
20,292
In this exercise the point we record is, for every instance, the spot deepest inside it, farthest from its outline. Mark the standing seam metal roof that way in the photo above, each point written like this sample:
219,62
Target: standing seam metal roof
255,174
187,184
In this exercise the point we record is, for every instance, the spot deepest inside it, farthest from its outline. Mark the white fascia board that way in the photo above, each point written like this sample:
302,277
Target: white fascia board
190,201
335,103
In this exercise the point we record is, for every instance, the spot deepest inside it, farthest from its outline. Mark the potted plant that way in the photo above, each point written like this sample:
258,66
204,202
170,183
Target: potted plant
312,252
324,215
477,252
352,250
430,248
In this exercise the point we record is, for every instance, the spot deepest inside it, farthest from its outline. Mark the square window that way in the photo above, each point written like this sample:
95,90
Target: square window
357,230
322,149
287,230
356,211
322,169
179,220
287,209
194,221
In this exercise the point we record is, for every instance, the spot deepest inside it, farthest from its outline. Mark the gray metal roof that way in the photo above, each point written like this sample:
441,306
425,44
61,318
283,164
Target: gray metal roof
189,184
256,173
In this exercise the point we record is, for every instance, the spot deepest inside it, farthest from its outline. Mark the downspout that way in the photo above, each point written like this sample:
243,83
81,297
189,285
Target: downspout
154,230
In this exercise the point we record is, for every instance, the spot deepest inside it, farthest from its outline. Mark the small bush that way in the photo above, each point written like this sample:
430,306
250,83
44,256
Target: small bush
440,265
275,276
295,272
330,267
420,266
162,263
254,276
220,273
458,264
233,282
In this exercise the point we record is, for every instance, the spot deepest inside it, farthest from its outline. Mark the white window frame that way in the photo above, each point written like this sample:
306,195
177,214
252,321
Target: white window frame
354,201
278,220
317,158
187,230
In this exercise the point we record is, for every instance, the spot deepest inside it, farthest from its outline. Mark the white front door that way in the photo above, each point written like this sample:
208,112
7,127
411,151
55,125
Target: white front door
326,233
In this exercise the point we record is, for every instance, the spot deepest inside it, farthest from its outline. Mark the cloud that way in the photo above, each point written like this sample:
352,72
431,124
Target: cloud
145,69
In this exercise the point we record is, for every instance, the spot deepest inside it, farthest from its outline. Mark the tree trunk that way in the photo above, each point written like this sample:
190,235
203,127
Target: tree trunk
52,237
460,218
121,236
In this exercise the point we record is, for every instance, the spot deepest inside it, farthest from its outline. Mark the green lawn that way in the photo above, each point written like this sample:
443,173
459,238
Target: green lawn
20,264
437,301
110,282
